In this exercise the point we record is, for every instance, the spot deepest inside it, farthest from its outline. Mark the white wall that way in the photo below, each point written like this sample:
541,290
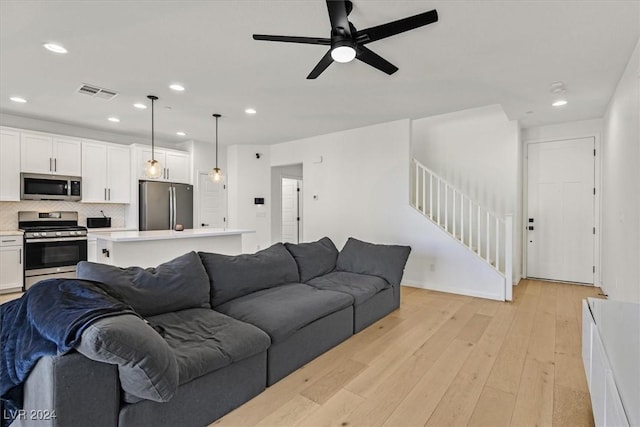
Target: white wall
621,188
248,178
478,152
356,184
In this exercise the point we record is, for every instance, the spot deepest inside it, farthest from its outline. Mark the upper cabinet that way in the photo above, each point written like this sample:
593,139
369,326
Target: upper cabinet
9,165
176,165
106,176
50,154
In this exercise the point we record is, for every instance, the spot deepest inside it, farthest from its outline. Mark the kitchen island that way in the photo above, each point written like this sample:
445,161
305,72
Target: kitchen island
150,248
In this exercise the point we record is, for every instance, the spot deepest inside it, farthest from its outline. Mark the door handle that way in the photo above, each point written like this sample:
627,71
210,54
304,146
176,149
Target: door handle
204,225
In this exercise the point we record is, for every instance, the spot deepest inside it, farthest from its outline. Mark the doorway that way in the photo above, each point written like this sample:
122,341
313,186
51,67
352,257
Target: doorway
212,203
560,222
290,210
287,209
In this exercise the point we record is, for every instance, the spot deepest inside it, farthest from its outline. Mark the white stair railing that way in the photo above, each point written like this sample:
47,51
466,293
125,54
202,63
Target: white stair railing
481,231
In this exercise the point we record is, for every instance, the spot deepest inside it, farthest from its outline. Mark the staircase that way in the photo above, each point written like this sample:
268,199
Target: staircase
484,233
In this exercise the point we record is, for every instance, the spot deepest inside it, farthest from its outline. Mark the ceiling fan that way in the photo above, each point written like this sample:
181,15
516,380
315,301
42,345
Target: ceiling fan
347,43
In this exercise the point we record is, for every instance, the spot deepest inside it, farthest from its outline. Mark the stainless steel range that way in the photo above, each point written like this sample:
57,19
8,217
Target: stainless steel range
53,244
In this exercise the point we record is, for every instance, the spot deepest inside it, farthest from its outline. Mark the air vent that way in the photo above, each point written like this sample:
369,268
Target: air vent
97,91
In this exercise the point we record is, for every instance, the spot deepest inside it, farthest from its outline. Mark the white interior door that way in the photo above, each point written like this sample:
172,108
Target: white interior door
290,211
561,202
212,206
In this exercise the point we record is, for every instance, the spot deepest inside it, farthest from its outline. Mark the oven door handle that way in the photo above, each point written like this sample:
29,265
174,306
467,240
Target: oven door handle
56,239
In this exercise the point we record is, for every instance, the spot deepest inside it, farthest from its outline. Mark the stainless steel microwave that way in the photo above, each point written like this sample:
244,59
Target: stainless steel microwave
49,187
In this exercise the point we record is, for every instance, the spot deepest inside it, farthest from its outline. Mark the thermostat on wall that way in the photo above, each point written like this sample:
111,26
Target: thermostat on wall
258,201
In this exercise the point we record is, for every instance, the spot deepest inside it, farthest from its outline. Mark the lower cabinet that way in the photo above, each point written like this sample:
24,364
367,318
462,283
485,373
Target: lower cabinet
11,271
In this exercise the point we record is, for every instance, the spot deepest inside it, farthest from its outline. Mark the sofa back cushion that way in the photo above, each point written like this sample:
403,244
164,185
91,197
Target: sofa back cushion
175,285
314,259
386,261
146,365
235,276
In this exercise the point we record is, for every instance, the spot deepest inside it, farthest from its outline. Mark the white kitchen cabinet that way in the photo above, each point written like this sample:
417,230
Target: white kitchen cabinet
176,165
9,165
105,173
11,277
50,154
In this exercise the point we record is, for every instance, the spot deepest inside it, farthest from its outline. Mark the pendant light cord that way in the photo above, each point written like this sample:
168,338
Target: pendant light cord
153,156
216,142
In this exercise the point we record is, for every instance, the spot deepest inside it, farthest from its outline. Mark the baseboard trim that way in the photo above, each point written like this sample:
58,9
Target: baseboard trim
458,291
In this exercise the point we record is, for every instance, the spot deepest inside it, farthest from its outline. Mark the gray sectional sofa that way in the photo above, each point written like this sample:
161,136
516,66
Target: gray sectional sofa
213,331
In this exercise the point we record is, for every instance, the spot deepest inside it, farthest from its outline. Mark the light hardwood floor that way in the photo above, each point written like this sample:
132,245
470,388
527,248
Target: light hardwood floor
444,360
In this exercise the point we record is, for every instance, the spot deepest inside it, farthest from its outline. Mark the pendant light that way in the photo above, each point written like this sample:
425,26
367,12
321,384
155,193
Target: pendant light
215,175
153,169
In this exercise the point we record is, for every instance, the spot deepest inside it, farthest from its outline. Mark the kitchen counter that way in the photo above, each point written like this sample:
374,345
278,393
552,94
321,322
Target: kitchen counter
124,236
11,233
151,248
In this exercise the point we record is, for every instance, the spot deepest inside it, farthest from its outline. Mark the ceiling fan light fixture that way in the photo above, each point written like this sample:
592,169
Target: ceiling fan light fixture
344,53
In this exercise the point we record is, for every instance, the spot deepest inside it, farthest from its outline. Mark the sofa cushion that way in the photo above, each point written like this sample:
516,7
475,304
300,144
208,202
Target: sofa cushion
235,276
175,285
203,340
314,259
146,365
360,286
386,261
283,310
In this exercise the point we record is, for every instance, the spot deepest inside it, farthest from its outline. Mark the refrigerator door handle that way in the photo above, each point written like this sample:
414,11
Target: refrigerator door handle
170,208
175,207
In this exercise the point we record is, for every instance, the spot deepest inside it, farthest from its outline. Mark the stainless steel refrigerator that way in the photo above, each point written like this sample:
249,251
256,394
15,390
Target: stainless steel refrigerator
165,204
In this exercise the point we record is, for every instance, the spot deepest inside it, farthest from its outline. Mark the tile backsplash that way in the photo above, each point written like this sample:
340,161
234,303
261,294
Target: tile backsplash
9,211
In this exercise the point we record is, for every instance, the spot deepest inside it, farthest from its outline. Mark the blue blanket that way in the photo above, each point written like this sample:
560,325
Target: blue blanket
48,320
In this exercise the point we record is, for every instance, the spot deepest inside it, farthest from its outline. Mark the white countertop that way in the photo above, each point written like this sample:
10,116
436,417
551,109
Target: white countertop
132,236
11,233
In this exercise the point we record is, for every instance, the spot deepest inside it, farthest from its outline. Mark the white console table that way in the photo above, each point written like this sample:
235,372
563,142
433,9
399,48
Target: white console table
611,356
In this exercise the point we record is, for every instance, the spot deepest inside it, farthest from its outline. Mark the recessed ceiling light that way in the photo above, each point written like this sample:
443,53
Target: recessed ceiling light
176,87
140,105
56,48
250,111
18,99
559,103
114,119
180,133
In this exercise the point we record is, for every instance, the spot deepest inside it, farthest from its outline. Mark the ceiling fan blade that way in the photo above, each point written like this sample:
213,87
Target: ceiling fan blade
338,16
369,57
322,65
291,39
396,27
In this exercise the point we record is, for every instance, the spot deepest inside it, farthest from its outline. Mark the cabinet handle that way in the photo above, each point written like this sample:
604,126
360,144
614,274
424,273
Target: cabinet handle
109,192
7,241
20,256
55,164
167,173
50,164
105,193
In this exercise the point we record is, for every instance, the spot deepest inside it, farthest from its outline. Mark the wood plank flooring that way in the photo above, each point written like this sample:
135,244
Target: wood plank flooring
444,360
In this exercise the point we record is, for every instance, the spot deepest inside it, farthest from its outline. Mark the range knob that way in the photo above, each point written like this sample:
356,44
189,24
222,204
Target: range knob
58,233
36,234
72,233
43,234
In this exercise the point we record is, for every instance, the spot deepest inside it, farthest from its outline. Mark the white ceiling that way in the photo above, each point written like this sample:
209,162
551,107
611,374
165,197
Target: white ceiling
479,53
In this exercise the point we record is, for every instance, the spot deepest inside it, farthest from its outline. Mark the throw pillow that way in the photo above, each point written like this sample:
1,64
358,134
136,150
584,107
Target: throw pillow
175,285
314,259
